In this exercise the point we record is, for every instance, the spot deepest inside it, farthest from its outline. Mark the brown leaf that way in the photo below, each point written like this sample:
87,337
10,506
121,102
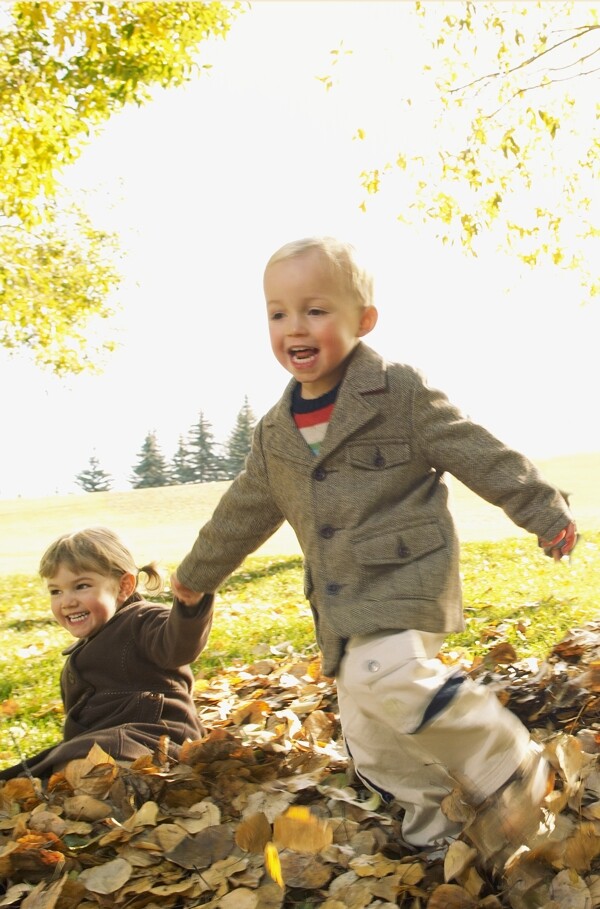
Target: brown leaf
501,653
450,896
253,833
301,831
85,807
302,870
202,850
582,847
106,878
458,857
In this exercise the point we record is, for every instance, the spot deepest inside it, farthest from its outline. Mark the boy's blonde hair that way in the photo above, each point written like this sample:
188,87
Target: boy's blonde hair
96,549
341,258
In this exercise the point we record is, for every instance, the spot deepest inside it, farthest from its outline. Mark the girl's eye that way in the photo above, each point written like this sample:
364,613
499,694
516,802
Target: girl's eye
82,586
315,311
53,592
275,316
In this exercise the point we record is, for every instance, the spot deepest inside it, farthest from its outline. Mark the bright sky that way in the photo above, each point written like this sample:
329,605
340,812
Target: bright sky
204,183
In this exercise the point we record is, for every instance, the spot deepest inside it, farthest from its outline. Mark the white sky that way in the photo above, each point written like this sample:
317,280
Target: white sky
204,183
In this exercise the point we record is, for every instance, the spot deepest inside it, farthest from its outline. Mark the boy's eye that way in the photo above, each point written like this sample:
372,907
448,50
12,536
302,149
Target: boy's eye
276,315
83,585
316,311
53,592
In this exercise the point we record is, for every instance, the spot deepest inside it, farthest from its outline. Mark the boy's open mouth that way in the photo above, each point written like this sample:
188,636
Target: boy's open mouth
302,354
77,617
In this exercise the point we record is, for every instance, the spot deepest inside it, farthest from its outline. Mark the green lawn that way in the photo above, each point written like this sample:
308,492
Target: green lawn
512,592
161,524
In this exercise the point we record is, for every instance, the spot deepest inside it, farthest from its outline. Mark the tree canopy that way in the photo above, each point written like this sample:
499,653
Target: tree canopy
65,69
512,149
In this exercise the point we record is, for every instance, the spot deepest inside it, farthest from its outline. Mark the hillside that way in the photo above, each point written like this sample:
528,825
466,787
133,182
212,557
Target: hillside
161,524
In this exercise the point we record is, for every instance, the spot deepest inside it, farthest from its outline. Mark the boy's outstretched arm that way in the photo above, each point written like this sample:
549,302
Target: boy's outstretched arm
184,594
562,544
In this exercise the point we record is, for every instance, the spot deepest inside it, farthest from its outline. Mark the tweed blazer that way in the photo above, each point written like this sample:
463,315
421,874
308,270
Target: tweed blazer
371,510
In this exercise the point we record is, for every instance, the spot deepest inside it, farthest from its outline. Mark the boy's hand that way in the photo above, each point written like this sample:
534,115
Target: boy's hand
562,544
184,594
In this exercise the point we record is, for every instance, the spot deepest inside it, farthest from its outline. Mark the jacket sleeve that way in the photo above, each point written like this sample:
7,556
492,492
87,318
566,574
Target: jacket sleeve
451,442
174,637
246,516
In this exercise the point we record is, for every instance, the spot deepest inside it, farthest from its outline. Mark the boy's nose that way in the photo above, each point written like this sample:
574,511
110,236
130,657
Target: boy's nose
297,325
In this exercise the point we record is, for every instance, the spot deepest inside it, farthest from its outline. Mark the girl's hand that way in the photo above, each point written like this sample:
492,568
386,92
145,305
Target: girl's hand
184,594
562,544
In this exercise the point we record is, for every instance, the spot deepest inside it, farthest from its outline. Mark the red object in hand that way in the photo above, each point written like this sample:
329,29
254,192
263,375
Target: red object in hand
562,544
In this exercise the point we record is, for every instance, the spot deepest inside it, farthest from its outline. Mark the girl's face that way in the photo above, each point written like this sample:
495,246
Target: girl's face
83,601
313,324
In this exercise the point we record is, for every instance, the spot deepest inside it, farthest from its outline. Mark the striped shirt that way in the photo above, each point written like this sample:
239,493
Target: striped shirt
312,416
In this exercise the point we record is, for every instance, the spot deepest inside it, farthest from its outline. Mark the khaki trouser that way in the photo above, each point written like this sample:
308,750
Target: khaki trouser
386,683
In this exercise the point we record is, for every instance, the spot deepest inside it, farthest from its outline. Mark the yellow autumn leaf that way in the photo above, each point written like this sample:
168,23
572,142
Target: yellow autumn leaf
272,863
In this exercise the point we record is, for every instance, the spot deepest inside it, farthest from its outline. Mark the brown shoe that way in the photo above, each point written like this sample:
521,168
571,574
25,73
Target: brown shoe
513,816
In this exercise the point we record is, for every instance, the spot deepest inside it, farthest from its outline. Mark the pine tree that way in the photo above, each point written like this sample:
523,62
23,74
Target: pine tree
152,469
182,469
240,441
204,462
94,479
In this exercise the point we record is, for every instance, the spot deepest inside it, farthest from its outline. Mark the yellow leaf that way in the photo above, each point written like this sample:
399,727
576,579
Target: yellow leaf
272,863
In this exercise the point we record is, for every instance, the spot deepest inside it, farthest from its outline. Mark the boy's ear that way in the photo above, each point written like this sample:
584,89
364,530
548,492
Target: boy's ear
126,586
368,320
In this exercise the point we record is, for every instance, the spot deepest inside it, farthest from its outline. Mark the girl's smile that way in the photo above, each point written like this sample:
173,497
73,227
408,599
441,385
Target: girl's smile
84,601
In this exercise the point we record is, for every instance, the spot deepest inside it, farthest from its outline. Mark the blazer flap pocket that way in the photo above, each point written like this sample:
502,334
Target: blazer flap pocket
377,455
400,546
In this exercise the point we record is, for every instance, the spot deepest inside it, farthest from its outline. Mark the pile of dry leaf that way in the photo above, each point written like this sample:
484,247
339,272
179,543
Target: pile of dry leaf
265,812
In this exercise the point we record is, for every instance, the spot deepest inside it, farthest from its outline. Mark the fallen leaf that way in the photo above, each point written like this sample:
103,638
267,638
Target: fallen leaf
273,863
301,831
106,878
253,833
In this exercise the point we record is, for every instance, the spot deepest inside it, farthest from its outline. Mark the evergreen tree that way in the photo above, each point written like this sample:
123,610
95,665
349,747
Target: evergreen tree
182,469
240,441
152,469
204,462
94,479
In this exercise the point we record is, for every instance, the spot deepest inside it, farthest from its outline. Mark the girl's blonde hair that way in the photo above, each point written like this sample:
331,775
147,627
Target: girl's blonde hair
341,258
97,549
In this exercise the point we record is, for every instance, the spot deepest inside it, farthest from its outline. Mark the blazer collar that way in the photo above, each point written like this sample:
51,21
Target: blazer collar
356,405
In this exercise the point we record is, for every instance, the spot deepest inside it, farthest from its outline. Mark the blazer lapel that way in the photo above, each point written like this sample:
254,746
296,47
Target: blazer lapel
358,401
286,439
356,405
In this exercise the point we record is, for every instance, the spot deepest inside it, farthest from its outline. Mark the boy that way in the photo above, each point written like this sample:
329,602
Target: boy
353,456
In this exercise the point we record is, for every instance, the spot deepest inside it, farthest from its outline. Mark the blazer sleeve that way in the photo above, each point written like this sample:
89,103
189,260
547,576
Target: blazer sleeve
245,517
451,442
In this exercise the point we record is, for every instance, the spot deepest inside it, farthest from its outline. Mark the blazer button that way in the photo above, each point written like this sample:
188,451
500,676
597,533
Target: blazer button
333,588
327,532
319,473
373,666
403,551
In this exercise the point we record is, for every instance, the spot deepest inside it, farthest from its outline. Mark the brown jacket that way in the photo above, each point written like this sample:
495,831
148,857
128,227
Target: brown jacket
129,684
370,511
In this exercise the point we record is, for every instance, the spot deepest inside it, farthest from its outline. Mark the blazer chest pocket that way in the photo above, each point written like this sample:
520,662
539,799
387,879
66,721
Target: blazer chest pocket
376,455
409,561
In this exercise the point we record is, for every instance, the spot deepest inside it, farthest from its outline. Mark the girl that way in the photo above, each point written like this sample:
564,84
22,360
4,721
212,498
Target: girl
126,681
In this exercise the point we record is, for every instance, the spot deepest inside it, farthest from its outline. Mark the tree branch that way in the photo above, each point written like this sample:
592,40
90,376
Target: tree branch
494,75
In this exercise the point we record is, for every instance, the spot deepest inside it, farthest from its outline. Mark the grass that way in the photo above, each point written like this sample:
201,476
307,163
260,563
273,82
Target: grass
511,592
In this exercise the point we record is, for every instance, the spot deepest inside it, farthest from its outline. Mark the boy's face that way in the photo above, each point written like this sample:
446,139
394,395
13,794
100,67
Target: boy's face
313,323
84,601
